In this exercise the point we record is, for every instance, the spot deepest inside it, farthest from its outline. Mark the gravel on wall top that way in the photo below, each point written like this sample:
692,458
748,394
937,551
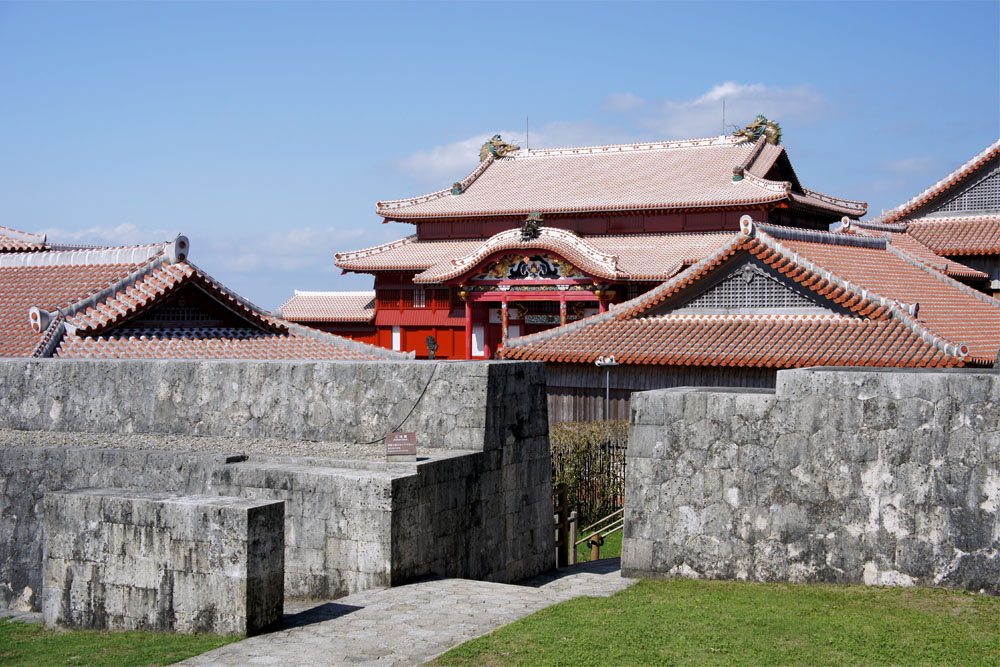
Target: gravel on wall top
197,443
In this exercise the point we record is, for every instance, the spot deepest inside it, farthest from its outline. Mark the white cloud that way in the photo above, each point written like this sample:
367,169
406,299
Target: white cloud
702,116
623,102
292,249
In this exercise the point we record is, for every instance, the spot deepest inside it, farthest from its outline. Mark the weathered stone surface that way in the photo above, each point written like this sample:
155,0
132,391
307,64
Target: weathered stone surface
483,512
142,560
877,477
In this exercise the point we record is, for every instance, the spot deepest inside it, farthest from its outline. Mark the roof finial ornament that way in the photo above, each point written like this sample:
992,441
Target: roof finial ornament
760,126
532,228
496,147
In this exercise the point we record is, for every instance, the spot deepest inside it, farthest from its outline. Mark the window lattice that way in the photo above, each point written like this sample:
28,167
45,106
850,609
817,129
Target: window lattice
749,288
176,313
983,195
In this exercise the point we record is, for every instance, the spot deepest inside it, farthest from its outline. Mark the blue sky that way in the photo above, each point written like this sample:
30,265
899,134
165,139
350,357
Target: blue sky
266,132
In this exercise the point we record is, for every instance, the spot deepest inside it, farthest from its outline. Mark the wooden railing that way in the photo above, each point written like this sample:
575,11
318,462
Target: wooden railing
599,530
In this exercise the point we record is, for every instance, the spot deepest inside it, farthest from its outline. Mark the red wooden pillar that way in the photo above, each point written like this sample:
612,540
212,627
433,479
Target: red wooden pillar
503,320
562,309
468,330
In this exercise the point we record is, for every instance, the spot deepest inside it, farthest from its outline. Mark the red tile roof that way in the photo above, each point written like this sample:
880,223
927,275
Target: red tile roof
942,187
329,307
12,240
959,235
613,257
664,175
80,302
899,237
897,312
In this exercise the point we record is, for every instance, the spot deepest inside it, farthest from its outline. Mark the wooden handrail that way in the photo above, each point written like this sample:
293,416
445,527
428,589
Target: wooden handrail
596,538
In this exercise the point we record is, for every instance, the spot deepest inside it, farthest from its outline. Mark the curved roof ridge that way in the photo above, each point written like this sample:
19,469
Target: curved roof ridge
836,201
942,185
819,236
374,250
782,187
550,238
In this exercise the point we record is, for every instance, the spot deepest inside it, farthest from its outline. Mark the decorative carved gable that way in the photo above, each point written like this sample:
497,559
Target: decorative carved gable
534,266
747,288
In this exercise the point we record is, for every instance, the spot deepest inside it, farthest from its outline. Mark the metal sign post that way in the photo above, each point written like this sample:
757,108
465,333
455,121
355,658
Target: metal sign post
607,363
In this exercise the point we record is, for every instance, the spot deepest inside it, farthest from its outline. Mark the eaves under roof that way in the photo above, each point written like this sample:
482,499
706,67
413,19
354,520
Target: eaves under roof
897,311
696,173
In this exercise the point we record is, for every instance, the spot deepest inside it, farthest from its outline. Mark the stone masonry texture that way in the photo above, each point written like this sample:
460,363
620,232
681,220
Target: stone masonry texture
875,477
478,506
138,560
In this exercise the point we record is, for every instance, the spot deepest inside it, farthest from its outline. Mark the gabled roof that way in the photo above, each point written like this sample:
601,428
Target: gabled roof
943,187
329,307
696,173
611,257
893,311
88,301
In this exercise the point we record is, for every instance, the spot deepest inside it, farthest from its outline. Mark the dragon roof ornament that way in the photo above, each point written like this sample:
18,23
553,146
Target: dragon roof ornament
496,147
761,126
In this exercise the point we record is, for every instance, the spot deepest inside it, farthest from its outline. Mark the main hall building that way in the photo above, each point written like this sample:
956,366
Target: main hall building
535,239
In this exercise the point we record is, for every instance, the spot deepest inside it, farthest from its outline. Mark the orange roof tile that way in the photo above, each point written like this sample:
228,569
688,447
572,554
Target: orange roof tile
12,240
959,235
657,175
897,312
329,307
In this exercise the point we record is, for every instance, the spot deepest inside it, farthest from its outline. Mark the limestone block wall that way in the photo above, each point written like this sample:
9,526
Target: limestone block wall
451,405
479,507
138,560
886,477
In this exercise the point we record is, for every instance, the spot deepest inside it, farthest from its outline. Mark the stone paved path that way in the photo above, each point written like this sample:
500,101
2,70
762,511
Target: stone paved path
409,625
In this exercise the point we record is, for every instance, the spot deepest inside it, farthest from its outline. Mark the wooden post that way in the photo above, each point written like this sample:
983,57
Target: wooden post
595,546
561,511
574,525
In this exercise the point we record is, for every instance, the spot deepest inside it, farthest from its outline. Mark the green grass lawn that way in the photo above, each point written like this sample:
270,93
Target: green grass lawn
718,622
32,644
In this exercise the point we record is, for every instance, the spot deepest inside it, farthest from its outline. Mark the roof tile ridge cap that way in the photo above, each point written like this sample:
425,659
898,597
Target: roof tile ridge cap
756,150
826,238
51,338
943,277
96,299
840,201
346,343
944,184
985,216
25,237
784,187
864,293
881,226
721,140
900,313
641,302
123,255
202,276
376,249
395,204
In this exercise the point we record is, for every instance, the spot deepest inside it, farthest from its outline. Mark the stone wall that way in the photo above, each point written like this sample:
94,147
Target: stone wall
840,475
447,403
140,560
479,507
